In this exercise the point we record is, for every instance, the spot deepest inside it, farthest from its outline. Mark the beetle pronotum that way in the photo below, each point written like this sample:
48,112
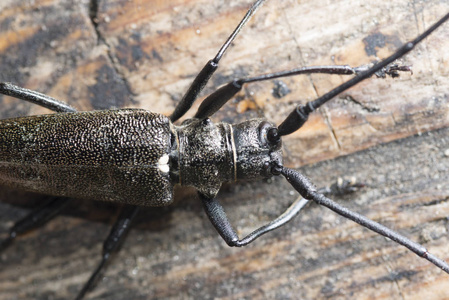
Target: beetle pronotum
181,219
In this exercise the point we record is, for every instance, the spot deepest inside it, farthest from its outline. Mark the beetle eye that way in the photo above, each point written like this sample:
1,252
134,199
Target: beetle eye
268,135
273,136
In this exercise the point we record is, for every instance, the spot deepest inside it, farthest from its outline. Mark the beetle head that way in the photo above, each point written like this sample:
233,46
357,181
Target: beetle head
256,154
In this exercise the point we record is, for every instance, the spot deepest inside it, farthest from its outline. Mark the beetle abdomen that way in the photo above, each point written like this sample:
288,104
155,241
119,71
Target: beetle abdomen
116,155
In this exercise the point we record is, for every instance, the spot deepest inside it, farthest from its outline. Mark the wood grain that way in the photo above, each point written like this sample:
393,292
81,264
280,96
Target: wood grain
145,54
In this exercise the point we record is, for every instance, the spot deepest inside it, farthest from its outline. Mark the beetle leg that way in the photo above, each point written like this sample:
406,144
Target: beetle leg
35,219
218,218
110,245
34,97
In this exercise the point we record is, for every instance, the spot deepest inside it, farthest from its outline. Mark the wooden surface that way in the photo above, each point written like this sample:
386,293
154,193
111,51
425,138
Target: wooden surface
145,54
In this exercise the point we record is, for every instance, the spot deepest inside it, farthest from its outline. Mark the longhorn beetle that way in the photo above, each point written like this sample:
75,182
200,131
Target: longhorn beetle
266,131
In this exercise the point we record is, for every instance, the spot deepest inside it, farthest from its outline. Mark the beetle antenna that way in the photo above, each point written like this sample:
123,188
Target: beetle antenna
306,189
211,66
221,96
300,114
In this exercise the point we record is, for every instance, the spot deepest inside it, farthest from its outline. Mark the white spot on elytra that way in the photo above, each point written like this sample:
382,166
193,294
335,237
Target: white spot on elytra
162,164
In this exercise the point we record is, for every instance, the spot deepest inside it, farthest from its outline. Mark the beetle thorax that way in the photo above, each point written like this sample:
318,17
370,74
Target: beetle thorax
210,154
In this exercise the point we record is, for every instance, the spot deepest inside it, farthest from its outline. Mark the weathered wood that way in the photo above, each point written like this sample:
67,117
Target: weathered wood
145,54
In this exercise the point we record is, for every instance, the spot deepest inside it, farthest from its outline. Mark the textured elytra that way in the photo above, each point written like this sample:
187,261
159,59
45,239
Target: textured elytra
104,155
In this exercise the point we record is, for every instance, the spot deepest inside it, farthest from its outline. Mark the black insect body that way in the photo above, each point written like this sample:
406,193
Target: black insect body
135,157
77,155
131,156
